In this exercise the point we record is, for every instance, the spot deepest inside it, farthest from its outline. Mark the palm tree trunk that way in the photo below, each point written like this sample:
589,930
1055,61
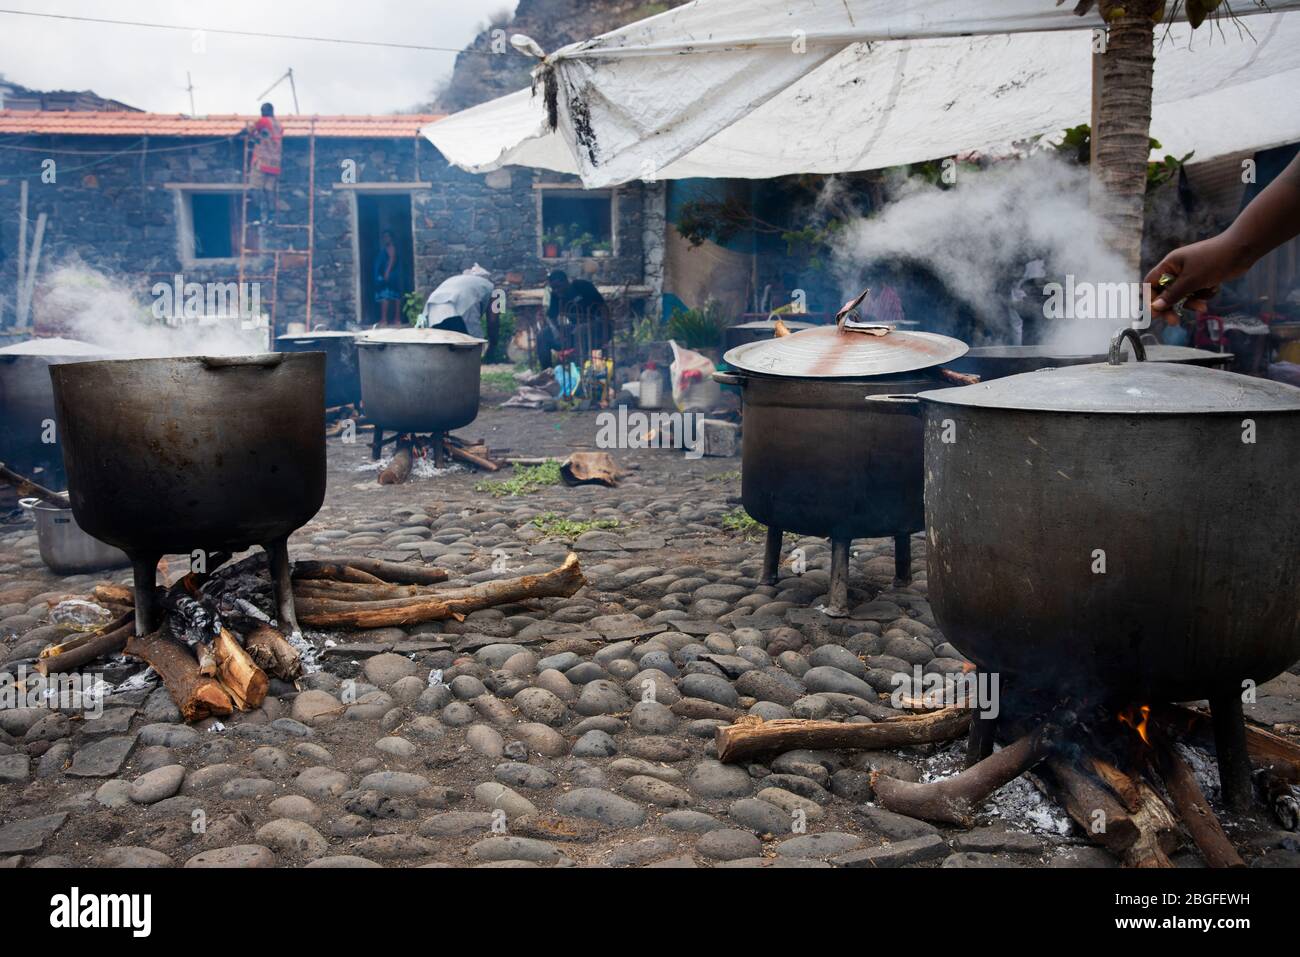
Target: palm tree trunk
1123,129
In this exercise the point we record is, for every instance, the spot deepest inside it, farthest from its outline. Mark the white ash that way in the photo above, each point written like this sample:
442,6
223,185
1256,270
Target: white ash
1204,768
422,467
309,647
141,680
1018,802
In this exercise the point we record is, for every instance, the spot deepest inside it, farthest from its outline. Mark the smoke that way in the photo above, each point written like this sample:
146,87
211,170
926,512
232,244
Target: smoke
979,235
78,302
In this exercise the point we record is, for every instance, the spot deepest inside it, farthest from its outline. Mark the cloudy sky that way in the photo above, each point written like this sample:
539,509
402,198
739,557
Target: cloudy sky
146,67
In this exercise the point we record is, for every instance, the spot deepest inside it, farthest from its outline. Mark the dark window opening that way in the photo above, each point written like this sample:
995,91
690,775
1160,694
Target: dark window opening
577,224
215,220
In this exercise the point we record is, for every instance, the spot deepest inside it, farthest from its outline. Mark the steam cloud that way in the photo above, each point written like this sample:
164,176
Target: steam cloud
80,302
979,234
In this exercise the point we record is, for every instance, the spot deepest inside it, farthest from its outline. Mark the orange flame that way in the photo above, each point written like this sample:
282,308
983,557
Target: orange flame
1137,718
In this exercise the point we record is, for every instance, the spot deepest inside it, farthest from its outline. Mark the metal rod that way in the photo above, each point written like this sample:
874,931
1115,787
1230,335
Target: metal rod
771,555
837,599
902,559
1230,746
277,554
144,570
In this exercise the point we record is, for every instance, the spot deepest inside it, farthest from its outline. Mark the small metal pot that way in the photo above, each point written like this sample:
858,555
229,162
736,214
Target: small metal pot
420,380
342,375
65,548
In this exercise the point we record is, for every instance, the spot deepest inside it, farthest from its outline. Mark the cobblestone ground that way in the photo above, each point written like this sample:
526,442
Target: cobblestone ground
533,747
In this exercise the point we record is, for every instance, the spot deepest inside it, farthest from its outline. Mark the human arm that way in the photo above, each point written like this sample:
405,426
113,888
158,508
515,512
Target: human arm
1272,218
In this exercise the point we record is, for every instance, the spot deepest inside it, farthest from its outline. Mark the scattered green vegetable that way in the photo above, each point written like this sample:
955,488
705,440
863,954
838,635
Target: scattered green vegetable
526,480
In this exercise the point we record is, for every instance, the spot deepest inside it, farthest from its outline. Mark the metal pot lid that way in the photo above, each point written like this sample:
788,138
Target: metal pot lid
319,334
1163,353
829,352
52,347
431,337
1127,388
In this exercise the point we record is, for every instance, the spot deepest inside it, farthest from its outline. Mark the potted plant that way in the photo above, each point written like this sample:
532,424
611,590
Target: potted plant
552,240
602,249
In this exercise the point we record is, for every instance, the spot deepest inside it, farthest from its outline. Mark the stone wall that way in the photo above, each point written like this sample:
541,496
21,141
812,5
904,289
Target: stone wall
110,205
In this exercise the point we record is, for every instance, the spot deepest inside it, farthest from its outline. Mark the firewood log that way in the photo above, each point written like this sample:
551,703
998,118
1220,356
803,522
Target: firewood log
955,799
197,696
1193,809
1265,748
558,583
394,573
72,654
329,571
473,458
398,469
272,652
752,735
108,594
246,683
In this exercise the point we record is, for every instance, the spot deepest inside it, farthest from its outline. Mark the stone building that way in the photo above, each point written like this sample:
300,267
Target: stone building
145,197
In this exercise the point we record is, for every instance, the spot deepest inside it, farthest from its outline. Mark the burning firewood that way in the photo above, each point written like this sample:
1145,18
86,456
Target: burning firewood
197,695
954,800
752,735
1281,796
436,606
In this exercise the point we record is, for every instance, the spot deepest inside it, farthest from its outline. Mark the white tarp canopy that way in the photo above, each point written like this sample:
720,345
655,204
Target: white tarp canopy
760,88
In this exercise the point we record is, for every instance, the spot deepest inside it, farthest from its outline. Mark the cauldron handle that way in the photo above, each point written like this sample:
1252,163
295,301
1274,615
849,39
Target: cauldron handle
1116,355
728,378
267,361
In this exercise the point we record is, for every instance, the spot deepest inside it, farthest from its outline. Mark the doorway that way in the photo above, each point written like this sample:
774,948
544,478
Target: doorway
379,213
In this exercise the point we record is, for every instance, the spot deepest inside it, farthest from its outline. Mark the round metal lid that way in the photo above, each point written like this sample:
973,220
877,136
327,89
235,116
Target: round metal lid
319,334
828,352
1128,388
434,337
53,346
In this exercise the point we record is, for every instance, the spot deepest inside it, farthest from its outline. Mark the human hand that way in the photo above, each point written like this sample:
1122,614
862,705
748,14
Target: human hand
1197,270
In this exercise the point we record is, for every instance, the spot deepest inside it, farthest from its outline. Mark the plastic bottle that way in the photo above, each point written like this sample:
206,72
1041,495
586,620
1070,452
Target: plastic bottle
652,387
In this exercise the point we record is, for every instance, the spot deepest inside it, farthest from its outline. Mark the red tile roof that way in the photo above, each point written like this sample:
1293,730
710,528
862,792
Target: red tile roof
87,123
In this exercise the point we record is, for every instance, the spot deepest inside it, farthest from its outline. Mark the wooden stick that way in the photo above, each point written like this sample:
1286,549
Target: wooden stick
87,648
25,486
752,735
561,582
465,455
1193,809
395,573
197,696
246,683
272,652
955,799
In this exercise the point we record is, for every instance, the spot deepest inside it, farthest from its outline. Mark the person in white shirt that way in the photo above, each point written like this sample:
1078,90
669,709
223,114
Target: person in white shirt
460,303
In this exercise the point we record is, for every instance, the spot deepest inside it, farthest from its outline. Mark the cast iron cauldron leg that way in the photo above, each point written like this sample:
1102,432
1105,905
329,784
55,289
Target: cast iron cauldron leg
439,453
144,569
771,556
377,445
903,559
979,742
277,554
837,603
1230,746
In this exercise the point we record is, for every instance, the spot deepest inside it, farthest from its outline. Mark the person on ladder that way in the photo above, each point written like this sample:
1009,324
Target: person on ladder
264,167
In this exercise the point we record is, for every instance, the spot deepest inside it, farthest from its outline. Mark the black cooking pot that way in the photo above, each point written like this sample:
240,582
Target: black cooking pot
29,442
215,453
1129,528
815,459
342,373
